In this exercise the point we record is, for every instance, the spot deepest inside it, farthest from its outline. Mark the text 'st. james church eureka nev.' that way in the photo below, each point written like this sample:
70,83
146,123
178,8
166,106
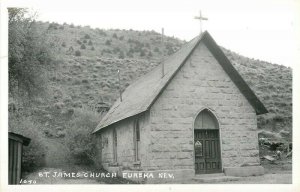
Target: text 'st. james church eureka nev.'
199,117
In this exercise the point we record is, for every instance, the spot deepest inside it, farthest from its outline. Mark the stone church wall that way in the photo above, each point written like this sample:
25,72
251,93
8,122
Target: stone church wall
201,83
125,145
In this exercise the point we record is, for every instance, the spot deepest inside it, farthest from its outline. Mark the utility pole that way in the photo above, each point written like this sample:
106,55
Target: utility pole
201,18
163,53
120,86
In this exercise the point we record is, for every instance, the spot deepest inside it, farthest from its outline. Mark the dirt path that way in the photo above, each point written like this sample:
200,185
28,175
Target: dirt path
52,176
58,160
284,177
57,154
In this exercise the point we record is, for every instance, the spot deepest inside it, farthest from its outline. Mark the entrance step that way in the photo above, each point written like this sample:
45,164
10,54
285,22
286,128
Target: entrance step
214,178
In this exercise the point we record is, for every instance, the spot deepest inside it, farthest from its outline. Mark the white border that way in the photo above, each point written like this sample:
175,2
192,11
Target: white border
174,187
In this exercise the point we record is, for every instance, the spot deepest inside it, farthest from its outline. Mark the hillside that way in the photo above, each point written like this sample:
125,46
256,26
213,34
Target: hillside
90,58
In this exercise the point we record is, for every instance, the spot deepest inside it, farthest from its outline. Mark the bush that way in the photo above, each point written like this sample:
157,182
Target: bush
142,53
108,42
34,153
30,55
82,46
115,36
129,54
84,41
77,53
87,36
278,118
63,44
121,55
90,42
101,32
79,139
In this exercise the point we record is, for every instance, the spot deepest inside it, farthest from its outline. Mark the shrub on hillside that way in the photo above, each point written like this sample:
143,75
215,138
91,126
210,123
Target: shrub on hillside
129,54
87,36
90,42
82,46
108,42
77,53
121,55
79,138
142,53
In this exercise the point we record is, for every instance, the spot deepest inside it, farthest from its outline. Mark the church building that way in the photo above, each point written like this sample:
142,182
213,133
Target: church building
191,115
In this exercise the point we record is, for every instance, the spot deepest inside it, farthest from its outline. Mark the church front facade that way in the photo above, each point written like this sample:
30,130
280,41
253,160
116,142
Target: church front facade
199,123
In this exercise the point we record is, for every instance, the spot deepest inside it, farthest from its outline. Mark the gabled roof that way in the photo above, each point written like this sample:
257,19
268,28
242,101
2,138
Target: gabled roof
140,95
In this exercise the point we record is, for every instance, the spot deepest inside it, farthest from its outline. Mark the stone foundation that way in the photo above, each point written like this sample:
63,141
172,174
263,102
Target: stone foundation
244,171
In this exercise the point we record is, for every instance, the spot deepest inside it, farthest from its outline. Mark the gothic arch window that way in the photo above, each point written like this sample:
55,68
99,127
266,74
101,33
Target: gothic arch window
206,120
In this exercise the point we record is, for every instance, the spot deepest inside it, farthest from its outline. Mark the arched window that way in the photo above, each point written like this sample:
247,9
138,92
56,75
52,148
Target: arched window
115,144
136,139
206,120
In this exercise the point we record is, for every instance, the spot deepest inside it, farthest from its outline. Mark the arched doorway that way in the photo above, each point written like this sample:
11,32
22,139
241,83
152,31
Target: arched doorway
207,143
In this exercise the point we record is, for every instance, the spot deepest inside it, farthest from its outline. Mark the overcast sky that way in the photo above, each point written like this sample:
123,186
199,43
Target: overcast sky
260,29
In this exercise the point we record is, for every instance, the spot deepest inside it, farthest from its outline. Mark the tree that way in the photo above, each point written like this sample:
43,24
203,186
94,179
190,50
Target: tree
29,56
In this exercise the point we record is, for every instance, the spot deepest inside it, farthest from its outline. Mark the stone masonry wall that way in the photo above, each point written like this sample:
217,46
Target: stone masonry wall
201,83
125,143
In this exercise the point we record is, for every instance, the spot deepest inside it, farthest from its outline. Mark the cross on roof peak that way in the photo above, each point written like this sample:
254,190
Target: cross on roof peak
200,17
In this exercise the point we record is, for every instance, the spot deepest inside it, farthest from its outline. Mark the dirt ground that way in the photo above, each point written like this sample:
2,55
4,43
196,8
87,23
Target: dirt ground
274,174
283,177
278,172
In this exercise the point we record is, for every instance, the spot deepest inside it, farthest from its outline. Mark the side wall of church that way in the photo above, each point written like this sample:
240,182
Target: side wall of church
126,159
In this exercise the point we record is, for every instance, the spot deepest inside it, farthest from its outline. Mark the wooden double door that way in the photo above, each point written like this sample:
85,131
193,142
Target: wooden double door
207,151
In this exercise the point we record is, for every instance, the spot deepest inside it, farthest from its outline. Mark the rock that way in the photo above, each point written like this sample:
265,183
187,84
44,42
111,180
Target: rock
12,107
284,133
60,134
48,133
59,128
289,154
48,116
59,105
268,157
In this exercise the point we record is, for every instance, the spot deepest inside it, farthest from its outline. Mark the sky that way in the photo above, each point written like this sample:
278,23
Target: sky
264,29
